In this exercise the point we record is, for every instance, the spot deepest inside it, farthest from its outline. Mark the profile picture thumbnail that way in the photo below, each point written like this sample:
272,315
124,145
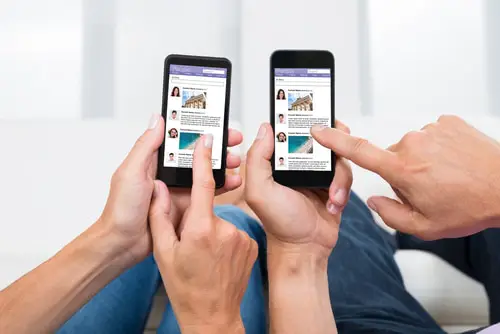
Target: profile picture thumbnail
173,115
280,95
187,140
281,137
281,119
176,92
300,144
300,101
281,161
171,157
173,133
195,99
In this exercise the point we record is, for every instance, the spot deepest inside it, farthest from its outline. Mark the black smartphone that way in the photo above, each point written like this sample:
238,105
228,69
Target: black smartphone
196,93
302,95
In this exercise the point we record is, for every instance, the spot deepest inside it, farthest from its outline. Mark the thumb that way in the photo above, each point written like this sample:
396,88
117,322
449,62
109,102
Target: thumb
145,149
162,228
259,170
400,217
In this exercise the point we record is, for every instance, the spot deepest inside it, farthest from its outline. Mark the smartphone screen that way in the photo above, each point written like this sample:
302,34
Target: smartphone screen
302,99
195,106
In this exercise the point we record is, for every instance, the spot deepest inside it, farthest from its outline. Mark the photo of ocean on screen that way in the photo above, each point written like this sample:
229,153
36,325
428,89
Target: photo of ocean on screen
187,140
300,144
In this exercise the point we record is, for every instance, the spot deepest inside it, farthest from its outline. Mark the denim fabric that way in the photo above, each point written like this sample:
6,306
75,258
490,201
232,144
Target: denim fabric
366,288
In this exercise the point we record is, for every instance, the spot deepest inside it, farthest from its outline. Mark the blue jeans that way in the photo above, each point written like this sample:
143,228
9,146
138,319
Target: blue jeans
366,288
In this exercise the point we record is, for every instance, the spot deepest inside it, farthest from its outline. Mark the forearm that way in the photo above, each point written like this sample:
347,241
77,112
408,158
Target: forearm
47,296
299,300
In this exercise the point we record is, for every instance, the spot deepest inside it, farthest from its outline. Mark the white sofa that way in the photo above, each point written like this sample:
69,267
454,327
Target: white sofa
54,178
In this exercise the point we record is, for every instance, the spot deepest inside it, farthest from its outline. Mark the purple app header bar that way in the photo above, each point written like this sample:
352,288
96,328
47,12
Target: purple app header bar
198,71
302,72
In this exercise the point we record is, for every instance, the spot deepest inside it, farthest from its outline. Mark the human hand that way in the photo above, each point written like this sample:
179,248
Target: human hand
447,176
126,210
206,269
295,220
181,197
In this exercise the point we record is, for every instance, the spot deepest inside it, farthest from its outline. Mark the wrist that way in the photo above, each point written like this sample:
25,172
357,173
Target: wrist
235,327
310,257
295,265
107,241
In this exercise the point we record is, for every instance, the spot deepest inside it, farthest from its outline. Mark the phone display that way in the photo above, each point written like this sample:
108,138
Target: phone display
196,104
302,99
302,95
196,92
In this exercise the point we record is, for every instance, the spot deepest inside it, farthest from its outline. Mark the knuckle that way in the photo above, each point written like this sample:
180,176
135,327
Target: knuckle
422,229
207,183
359,145
254,249
245,238
231,233
140,141
202,236
430,126
118,176
252,156
124,172
411,138
342,127
449,119
344,172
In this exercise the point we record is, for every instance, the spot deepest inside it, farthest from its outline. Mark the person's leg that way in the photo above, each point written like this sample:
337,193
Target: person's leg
478,256
122,306
366,288
253,306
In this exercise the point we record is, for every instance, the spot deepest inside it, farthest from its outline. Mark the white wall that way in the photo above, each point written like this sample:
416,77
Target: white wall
295,24
147,31
428,57
491,11
40,59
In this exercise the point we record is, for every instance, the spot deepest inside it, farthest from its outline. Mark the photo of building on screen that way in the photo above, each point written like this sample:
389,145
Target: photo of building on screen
300,101
194,99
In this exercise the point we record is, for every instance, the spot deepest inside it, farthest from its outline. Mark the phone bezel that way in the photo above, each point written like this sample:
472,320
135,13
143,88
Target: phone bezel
183,177
303,59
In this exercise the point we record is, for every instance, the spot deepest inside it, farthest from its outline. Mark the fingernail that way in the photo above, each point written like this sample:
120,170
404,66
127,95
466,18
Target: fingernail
153,121
372,205
262,132
209,139
332,208
340,196
318,127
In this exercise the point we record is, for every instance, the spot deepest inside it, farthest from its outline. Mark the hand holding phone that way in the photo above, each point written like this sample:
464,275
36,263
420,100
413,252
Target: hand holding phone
302,95
301,218
196,93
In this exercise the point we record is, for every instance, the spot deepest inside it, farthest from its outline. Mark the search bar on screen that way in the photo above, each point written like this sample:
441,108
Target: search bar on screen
213,71
198,82
303,83
317,71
